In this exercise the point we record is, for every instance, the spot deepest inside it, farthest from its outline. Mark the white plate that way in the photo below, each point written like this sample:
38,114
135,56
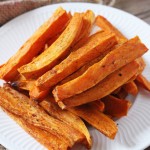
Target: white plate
134,130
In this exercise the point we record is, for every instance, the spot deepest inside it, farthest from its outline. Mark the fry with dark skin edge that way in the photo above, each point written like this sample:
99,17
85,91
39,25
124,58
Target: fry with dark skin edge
116,107
143,82
66,117
56,52
97,119
35,44
114,60
20,105
50,141
103,88
95,46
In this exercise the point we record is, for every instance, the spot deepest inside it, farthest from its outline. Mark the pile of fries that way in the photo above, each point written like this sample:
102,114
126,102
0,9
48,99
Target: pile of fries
63,74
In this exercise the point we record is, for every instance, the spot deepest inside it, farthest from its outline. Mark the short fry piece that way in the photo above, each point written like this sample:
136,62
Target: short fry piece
58,50
104,88
116,107
99,105
34,44
131,88
95,46
97,119
114,60
21,106
141,80
68,118
122,94
50,141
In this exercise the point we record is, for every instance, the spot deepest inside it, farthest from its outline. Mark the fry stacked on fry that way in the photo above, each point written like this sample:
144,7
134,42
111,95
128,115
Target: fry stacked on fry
63,74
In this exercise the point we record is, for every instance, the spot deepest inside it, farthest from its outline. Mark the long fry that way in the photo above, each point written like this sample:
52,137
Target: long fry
67,117
34,44
97,119
104,88
114,60
19,105
107,26
95,46
58,50
50,141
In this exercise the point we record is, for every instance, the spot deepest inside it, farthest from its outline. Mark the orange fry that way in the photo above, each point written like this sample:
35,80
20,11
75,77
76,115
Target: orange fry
56,52
141,80
104,88
108,27
95,46
21,106
116,107
50,141
66,117
131,88
114,60
35,44
97,119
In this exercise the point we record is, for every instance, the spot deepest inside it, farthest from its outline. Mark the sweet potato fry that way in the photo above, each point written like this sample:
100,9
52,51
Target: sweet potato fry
95,46
50,141
107,26
116,107
36,94
104,88
99,105
131,88
24,84
88,20
68,118
122,94
34,44
114,60
97,119
58,50
20,105
142,81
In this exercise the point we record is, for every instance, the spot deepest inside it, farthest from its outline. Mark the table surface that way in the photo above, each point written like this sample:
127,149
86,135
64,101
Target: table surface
139,8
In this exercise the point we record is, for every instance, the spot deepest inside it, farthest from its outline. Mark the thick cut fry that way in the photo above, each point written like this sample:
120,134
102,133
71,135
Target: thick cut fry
35,44
58,50
104,88
114,60
131,88
50,141
97,119
95,46
99,105
141,80
116,107
68,118
20,105
108,27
